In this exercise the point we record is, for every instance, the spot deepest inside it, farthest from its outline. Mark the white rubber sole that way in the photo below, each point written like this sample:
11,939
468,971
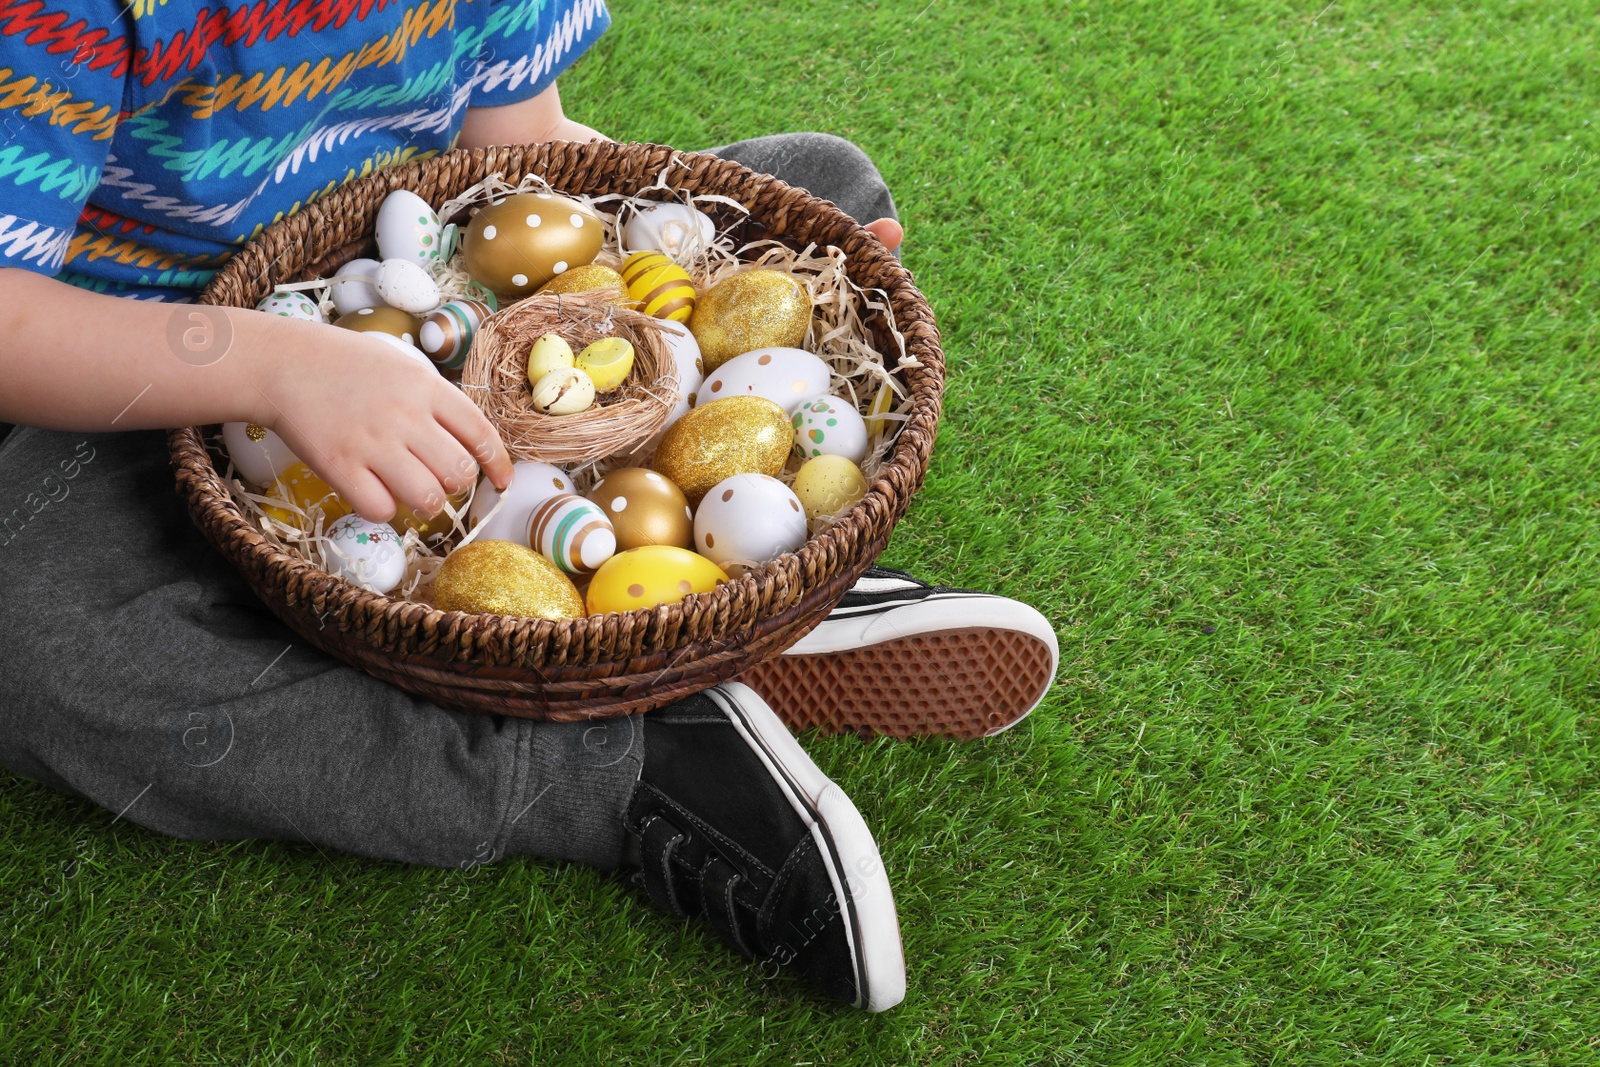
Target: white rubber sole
872,926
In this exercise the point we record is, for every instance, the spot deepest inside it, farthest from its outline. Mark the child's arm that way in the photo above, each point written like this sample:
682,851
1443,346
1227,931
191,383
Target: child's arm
539,118
73,359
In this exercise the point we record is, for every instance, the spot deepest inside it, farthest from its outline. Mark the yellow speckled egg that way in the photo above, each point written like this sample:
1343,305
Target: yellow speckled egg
644,508
392,321
661,287
589,278
505,578
645,577
301,486
827,485
749,310
517,245
739,435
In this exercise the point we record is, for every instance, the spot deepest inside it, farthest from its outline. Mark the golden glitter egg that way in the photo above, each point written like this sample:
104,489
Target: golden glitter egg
828,485
392,321
505,578
739,435
645,577
661,288
301,486
406,518
589,278
749,310
517,245
644,508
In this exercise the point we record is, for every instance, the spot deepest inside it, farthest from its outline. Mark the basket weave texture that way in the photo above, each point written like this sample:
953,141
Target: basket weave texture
604,665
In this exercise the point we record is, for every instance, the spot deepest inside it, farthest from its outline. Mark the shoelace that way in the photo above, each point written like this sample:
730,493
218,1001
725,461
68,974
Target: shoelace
660,841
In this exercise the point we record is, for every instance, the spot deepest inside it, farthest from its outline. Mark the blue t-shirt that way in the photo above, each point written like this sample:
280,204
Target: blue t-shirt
142,142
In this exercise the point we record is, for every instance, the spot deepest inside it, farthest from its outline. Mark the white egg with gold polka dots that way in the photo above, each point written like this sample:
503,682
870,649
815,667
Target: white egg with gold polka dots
786,376
259,455
532,483
748,519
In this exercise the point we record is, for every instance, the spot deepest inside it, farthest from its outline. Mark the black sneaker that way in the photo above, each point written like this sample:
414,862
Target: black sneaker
900,657
733,823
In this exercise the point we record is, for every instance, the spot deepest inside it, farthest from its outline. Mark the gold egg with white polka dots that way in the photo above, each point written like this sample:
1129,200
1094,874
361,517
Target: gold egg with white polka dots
517,245
645,508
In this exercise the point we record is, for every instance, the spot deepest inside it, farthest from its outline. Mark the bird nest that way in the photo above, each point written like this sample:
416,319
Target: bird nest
619,423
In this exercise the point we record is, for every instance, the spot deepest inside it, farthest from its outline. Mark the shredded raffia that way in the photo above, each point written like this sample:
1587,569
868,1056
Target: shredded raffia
838,335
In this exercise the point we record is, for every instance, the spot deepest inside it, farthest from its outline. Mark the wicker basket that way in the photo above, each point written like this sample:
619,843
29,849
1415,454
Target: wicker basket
604,665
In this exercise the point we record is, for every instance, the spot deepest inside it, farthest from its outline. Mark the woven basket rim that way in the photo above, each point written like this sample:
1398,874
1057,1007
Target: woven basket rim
582,639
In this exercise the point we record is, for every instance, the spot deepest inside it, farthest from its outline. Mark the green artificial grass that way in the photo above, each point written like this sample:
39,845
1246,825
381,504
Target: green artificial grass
1271,332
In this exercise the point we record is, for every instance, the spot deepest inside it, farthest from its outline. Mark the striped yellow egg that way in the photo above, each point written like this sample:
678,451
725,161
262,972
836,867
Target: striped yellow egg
661,287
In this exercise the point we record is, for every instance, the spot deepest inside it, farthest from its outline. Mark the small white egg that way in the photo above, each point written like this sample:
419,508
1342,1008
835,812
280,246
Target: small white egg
532,483
351,296
259,455
409,229
404,285
676,229
786,376
292,305
829,426
747,519
370,554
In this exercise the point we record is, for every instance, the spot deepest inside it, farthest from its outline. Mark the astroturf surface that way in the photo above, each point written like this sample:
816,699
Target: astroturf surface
1271,332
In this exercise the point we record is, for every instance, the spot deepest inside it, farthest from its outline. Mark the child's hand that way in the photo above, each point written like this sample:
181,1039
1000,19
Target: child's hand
380,427
888,231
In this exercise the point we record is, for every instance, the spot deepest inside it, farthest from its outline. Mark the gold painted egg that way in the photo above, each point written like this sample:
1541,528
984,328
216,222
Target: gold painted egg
406,518
828,485
652,575
525,240
592,277
392,321
505,578
661,287
739,435
644,508
303,487
749,310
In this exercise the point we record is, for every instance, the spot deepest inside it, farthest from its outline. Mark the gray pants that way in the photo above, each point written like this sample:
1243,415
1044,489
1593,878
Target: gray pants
138,670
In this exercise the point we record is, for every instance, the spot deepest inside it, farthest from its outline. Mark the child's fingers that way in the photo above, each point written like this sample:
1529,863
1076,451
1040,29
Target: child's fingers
461,417
363,490
443,455
412,483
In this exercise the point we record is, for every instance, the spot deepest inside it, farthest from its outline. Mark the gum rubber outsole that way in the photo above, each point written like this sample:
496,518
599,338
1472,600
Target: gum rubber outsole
962,683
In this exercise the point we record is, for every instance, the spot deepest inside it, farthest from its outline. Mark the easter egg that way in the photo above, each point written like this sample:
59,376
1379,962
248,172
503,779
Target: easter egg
291,306
392,321
445,336
504,578
406,518
517,245
660,287
877,425
563,391
748,519
404,285
676,229
592,277
688,368
644,508
532,483
739,435
829,426
367,553
408,228
752,309
550,352
606,362
353,295
258,454
305,489
572,531
828,485
646,577
786,376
